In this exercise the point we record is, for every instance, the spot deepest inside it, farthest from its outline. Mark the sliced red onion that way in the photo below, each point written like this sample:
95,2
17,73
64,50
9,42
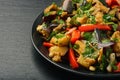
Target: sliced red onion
53,25
70,31
102,45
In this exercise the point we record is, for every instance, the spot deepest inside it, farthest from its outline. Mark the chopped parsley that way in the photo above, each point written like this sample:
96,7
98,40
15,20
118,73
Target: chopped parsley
59,12
89,51
87,36
76,46
59,35
107,18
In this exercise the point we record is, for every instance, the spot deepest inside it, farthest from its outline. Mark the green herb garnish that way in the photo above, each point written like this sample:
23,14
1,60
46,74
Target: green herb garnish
53,33
59,35
87,36
59,12
107,18
76,46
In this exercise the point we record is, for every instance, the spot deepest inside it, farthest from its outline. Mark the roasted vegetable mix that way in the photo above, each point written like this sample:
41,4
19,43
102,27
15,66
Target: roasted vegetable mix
86,33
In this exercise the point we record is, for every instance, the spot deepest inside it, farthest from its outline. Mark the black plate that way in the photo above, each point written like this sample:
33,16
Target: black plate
37,42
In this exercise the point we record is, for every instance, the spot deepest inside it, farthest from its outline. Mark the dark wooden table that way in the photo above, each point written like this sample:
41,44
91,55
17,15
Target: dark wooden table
18,58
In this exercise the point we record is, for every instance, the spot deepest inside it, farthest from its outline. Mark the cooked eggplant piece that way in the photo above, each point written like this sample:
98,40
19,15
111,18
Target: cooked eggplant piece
50,13
117,56
118,26
53,25
48,17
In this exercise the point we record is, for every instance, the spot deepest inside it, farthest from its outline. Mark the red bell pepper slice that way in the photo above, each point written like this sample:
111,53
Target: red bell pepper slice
118,67
47,44
109,2
87,28
75,36
72,59
113,3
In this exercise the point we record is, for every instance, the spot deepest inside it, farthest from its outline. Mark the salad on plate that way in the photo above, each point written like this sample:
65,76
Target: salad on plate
85,33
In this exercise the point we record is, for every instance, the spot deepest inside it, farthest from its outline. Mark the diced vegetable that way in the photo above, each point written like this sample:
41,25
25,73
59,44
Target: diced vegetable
79,46
87,28
112,3
72,59
75,36
60,39
109,2
118,67
47,44
57,52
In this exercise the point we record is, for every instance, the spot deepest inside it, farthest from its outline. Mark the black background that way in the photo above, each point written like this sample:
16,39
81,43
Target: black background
18,58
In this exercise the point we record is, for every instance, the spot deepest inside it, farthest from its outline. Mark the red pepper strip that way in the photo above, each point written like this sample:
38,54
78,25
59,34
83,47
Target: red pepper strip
118,1
87,28
108,2
112,3
67,29
75,36
47,44
118,67
72,59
